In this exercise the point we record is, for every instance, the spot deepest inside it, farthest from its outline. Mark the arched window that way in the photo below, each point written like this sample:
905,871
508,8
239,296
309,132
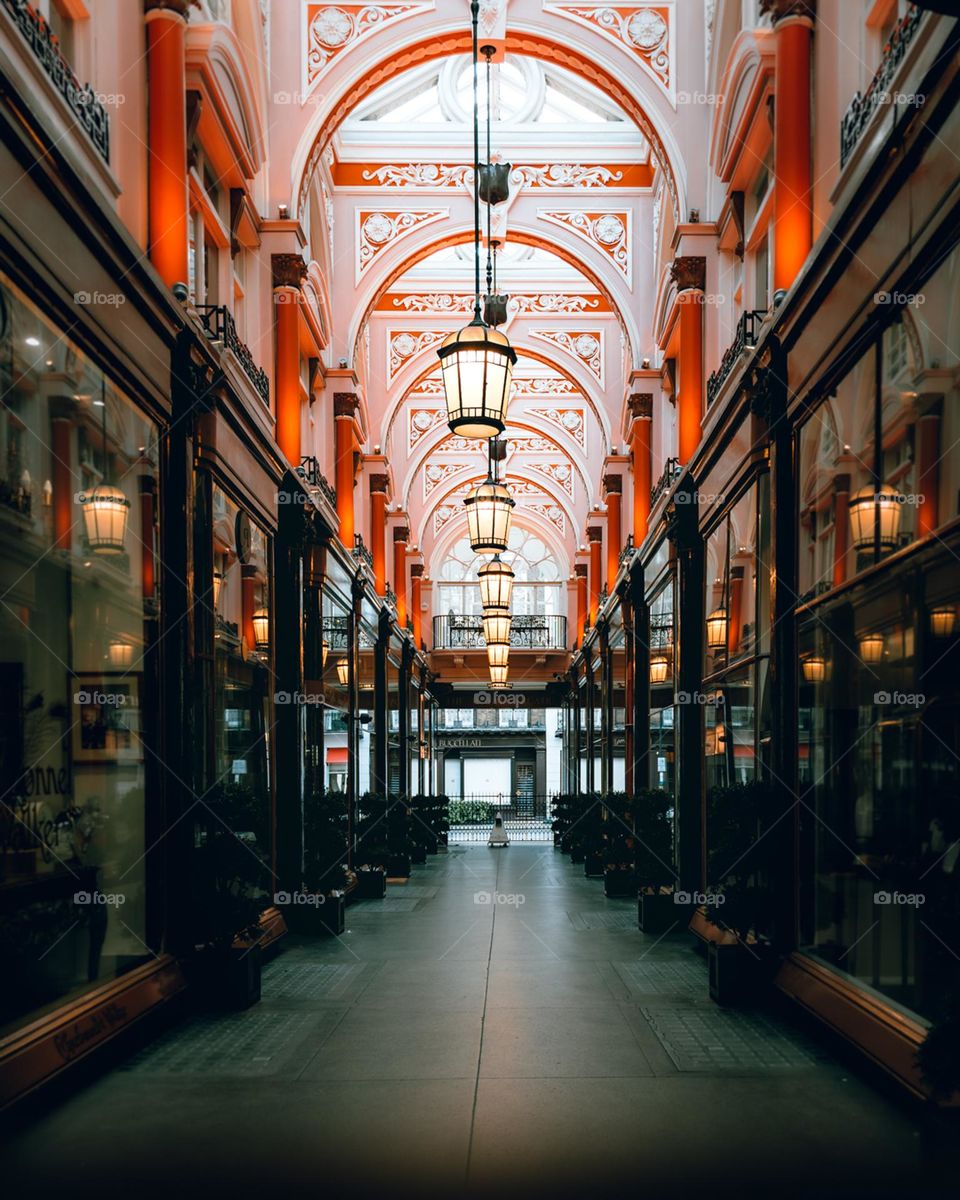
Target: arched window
538,587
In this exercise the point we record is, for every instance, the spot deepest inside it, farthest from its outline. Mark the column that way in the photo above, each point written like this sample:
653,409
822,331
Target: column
60,451
734,613
167,205
147,560
841,527
928,468
400,535
581,572
690,274
641,408
248,604
288,273
792,211
416,601
344,407
378,530
613,489
595,538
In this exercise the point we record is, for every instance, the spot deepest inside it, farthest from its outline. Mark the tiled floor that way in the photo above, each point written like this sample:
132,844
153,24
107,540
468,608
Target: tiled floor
496,1028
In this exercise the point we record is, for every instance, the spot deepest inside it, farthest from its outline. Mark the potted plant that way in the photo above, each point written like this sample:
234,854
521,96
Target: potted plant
656,874
619,845
938,1057
591,831
319,908
738,881
232,879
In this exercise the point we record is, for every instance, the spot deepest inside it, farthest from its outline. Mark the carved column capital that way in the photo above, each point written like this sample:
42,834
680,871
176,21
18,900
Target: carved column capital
641,406
613,483
416,570
379,483
580,570
779,10
595,533
401,533
288,270
344,404
689,272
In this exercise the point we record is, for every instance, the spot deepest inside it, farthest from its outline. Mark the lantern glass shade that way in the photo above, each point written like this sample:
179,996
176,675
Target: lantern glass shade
496,583
659,668
476,364
105,512
120,654
498,654
217,584
489,515
717,629
496,627
943,620
261,628
324,651
871,648
498,676
814,668
343,671
870,506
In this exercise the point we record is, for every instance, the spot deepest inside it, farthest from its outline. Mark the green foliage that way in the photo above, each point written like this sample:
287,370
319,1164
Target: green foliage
324,842
939,1057
653,822
233,876
740,855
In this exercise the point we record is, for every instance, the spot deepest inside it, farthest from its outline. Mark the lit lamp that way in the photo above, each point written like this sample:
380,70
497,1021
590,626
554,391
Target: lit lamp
498,655
870,507
489,514
105,509
120,654
476,362
659,669
261,628
814,668
343,671
943,620
871,648
217,583
496,583
496,627
498,676
717,629
324,651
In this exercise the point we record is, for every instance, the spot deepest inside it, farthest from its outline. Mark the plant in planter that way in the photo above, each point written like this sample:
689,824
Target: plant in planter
938,1056
232,879
656,873
619,847
590,828
324,866
739,862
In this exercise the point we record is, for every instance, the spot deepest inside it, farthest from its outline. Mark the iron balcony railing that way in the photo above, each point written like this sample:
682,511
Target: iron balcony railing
46,49
864,105
361,553
309,471
745,337
671,472
218,322
453,632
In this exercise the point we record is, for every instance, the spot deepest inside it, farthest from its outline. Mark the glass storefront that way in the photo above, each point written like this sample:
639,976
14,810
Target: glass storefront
78,663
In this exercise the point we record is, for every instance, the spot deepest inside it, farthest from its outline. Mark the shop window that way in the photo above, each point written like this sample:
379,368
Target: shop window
662,670
79,610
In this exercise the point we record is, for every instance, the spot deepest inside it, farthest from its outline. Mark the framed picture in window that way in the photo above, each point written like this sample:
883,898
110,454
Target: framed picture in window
106,718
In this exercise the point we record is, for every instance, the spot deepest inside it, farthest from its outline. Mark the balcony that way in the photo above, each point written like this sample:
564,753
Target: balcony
526,633
863,106
219,326
671,472
745,338
88,110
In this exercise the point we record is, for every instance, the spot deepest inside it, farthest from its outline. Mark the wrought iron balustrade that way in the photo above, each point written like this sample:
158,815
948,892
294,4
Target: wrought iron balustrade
671,472
309,471
361,553
745,337
454,632
45,46
219,325
865,104
627,552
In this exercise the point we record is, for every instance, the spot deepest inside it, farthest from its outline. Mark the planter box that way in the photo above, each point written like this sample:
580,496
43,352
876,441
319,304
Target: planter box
372,884
577,853
737,973
619,884
318,920
418,854
656,911
227,981
398,866
593,865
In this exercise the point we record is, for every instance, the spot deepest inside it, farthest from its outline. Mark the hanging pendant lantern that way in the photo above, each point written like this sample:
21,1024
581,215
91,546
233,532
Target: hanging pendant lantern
871,648
120,654
498,676
659,669
217,584
489,515
496,627
261,628
870,507
943,620
324,651
498,654
814,668
496,583
343,671
717,629
105,509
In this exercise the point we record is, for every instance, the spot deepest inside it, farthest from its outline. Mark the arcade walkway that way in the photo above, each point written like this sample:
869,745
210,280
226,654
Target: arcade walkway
538,1048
